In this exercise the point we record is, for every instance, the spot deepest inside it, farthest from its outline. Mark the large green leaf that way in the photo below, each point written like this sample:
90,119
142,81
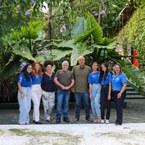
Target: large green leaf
97,33
80,49
25,53
10,68
33,30
29,32
106,41
54,54
109,46
83,37
65,44
134,74
41,35
79,28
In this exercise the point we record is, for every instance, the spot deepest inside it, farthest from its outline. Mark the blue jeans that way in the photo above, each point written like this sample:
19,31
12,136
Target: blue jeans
24,105
79,97
95,101
62,99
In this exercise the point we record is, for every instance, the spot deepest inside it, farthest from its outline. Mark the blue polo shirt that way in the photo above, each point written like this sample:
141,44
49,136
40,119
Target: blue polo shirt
117,82
47,83
108,79
94,78
37,79
22,80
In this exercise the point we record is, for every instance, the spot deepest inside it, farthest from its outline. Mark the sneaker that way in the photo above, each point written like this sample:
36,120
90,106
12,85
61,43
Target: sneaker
99,120
49,119
66,119
58,120
102,121
107,121
95,121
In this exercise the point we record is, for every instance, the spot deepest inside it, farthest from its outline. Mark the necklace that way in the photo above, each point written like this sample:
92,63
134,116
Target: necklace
49,74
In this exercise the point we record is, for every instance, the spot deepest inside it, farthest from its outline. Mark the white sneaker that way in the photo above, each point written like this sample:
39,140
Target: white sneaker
48,119
107,121
102,121
95,121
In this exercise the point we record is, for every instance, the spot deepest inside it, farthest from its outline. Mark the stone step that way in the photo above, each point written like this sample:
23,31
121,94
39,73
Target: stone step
128,88
135,97
132,92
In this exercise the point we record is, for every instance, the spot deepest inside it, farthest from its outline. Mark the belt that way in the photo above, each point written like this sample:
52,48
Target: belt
116,90
37,84
105,85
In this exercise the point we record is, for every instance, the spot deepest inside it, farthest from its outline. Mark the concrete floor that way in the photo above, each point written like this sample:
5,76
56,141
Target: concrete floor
133,113
73,134
132,131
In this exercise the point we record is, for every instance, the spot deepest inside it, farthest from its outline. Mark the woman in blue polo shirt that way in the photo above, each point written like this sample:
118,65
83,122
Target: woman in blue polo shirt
94,89
119,82
36,91
24,94
105,79
48,90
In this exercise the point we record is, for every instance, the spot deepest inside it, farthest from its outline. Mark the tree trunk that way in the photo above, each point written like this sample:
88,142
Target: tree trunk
49,24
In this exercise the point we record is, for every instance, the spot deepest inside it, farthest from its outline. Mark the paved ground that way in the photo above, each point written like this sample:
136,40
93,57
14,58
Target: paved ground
73,134
132,131
133,113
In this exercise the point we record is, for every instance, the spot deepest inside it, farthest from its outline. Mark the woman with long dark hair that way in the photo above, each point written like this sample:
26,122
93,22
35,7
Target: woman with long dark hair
36,91
119,82
105,79
95,88
24,94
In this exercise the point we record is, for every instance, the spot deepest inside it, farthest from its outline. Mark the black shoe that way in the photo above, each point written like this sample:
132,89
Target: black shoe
117,123
77,118
66,119
37,122
88,119
58,120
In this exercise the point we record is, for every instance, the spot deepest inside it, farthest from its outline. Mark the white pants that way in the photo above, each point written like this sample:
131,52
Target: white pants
36,94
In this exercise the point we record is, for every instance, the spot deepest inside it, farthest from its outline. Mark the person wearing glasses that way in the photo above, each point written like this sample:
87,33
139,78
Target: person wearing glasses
24,94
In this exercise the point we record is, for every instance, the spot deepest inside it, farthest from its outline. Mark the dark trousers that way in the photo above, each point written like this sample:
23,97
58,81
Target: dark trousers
119,106
105,103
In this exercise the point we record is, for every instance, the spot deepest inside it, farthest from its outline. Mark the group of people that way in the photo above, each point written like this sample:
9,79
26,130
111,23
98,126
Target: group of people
94,86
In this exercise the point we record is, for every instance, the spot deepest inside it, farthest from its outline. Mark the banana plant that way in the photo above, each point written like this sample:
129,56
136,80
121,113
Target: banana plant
23,45
86,39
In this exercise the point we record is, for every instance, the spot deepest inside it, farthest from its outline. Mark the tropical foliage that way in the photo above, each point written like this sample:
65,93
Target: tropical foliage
58,30
133,34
